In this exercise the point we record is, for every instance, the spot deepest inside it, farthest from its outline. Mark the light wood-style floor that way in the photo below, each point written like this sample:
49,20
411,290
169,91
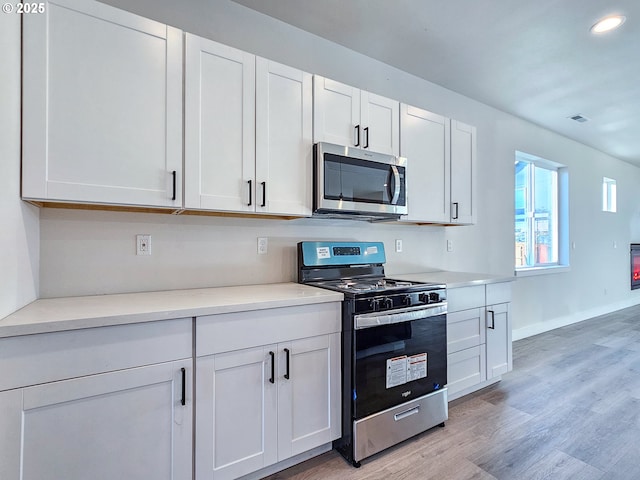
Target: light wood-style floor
570,409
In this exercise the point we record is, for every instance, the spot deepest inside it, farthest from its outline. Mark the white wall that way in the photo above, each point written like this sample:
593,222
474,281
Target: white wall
89,252
19,234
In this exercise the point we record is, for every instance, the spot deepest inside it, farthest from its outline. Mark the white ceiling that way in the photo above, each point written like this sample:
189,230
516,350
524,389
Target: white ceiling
534,59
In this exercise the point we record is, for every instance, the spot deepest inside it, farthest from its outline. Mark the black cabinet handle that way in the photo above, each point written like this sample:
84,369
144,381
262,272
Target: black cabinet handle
493,319
455,204
264,194
272,379
366,130
173,197
286,350
250,188
183,400
357,135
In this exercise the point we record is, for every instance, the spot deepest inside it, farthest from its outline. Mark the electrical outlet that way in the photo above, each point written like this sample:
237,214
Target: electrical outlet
262,245
449,246
398,246
143,244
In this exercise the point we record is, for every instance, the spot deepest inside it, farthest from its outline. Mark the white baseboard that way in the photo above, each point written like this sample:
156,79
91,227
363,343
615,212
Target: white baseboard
542,327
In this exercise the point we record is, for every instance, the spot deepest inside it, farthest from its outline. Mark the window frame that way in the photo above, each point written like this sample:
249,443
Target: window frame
609,195
561,216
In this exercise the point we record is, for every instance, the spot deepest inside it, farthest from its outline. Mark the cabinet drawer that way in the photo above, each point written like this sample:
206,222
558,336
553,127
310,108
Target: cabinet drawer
498,293
464,298
466,368
47,357
235,331
465,329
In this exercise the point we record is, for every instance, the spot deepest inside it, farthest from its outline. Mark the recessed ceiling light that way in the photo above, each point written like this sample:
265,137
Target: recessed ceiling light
608,23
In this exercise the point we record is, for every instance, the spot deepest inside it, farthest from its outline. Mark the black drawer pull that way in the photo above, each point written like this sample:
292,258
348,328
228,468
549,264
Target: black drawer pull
272,379
286,350
493,319
183,400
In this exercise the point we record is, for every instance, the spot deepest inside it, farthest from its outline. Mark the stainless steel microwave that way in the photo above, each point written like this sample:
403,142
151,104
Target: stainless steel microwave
359,184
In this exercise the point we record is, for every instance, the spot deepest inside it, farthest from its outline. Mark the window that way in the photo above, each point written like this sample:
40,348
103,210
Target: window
540,213
608,195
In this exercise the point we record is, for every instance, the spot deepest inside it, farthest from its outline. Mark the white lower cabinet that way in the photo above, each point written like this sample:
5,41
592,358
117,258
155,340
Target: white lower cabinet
499,349
260,405
466,358
465,369
478,337
133,422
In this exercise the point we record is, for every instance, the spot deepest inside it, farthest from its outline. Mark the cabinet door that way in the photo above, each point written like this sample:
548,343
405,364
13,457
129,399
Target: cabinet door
102,106
466,369
463,173
465,329
380,118
236,418
425,142
499,345
10,433
126,424
283,139
309,399
336,113
219,127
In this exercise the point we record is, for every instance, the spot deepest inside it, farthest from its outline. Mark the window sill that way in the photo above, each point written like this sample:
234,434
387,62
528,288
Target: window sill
529,272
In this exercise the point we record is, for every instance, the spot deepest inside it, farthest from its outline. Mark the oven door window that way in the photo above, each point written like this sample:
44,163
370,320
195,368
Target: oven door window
355,180
398,362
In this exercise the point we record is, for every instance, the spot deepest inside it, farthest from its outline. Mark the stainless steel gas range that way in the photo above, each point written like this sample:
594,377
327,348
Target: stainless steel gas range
394,346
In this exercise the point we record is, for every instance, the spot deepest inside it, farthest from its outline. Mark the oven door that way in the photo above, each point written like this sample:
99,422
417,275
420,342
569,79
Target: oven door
354,180
399,355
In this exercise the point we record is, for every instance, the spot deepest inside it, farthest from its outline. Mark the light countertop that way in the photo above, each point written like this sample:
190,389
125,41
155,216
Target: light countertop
71,313
453,279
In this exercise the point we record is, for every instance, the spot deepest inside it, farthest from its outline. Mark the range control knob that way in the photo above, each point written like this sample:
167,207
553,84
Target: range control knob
388,303
423,298
374,304
434,297
406,300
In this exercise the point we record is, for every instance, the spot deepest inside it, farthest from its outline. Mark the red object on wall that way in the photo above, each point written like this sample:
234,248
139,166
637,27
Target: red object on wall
635,266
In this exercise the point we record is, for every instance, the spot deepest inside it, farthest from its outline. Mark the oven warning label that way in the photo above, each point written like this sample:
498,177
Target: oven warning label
416,367
401,370
396,371
323,252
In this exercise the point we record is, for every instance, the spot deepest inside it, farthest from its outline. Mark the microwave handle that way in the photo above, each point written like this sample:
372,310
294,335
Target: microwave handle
396,185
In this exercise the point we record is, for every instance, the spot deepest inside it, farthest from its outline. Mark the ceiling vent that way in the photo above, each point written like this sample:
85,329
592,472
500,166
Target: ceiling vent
579,118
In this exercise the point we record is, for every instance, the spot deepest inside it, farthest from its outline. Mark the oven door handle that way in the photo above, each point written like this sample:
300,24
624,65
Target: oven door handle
370,320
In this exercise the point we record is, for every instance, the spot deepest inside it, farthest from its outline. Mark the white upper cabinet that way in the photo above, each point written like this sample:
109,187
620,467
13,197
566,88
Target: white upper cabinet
441,167
219,127
102,107
247,132
284,153
344,115
463,173
425,143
